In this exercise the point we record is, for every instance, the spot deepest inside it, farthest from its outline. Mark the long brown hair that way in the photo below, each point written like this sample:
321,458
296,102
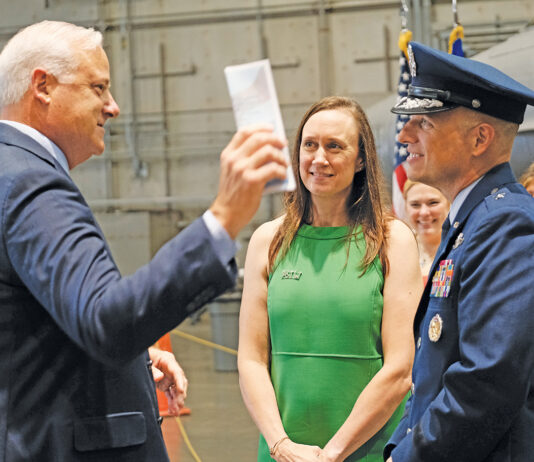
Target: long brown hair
364,205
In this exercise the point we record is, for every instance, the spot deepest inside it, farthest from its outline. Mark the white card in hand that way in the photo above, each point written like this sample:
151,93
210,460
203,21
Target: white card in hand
254,101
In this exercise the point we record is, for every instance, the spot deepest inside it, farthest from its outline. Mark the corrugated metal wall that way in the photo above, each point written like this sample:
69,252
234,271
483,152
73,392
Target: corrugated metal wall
167,59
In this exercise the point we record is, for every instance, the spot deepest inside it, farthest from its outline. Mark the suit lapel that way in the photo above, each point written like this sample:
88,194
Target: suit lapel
13,137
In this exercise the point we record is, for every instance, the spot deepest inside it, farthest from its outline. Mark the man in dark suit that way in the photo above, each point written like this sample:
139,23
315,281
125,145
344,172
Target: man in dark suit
473,391
75,376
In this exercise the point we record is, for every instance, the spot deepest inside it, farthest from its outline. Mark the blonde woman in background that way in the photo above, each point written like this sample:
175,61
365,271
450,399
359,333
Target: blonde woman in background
426,210
527,179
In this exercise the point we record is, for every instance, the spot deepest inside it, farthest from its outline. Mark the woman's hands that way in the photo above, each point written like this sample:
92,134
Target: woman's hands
289,451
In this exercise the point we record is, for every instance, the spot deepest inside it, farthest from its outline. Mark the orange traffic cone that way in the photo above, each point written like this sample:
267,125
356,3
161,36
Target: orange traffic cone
164,343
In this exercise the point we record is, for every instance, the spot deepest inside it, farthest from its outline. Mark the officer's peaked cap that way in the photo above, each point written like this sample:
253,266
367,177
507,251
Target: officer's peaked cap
441,81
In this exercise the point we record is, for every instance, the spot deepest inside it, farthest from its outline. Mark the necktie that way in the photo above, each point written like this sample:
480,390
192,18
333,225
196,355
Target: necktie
444,231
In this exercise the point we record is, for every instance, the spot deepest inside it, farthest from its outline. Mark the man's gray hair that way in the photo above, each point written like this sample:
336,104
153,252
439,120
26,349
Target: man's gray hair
50,45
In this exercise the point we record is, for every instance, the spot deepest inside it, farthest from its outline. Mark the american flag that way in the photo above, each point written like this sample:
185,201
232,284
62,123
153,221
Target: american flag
399,174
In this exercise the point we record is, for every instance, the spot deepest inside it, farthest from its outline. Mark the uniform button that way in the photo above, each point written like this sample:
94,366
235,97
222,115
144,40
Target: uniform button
413,388
149,364
160,419
419,343
494,190
408,431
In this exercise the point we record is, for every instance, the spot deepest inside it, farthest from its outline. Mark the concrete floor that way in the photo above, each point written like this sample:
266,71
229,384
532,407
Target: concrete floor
219,427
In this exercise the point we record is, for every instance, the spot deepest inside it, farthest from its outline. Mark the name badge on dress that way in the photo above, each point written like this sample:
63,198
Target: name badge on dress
441,282
291,274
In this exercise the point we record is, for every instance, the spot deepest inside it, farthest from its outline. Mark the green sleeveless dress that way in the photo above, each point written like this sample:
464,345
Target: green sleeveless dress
326,346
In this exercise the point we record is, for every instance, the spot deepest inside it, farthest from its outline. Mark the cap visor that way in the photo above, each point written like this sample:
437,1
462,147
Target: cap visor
409,105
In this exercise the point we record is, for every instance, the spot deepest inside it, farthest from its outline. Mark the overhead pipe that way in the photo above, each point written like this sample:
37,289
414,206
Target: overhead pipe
250,13
264,54
417,20
139,167
426,24
262,40
324,50
166,144
149,203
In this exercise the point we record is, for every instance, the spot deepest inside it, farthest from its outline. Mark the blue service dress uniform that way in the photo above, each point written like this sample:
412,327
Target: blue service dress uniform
473,388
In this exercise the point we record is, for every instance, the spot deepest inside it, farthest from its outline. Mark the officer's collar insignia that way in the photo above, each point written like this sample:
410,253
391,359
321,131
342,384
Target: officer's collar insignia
435,328
413,66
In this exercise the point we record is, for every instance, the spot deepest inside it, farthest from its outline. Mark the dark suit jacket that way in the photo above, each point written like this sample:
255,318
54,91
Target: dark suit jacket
473,394
74,381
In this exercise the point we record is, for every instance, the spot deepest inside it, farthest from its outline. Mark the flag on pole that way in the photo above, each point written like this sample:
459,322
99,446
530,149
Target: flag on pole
455,41
399,174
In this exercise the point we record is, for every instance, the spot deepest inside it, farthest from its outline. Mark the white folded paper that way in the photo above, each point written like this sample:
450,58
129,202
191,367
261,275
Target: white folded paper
254,101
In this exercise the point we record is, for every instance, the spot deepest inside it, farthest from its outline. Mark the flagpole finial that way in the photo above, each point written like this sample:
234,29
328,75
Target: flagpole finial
455,13
404,15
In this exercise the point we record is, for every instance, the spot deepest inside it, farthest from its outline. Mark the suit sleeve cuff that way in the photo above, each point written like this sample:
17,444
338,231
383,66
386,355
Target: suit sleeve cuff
225,246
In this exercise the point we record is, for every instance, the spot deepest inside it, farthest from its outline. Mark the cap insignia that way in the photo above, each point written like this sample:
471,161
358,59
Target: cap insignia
476,103
419,103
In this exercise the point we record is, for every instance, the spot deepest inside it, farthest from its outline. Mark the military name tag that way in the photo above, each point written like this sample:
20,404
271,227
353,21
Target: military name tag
435,328
441,282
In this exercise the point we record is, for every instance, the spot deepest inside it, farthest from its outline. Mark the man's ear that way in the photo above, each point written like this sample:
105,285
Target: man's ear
482,137
41,85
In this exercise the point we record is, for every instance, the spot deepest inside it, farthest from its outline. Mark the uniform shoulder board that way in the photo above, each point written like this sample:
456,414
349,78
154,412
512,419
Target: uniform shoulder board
507,196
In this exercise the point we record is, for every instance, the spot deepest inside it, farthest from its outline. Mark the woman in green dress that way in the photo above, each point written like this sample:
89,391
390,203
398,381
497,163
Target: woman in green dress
330,292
